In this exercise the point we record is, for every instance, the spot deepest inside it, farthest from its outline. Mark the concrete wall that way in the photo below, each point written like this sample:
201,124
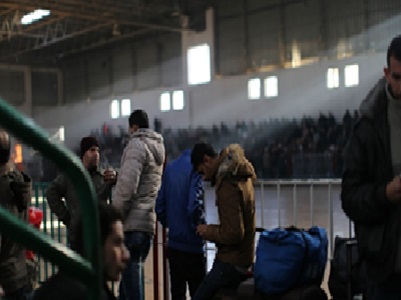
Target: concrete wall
248,39
302,91
255,34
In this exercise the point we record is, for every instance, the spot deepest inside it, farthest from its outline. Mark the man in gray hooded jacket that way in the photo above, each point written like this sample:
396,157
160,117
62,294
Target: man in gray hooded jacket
136,190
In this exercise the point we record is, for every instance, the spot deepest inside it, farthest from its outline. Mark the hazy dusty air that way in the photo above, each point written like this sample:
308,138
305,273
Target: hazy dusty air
282,78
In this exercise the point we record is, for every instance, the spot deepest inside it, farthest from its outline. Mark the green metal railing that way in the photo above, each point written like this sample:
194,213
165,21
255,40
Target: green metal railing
88,271
50,226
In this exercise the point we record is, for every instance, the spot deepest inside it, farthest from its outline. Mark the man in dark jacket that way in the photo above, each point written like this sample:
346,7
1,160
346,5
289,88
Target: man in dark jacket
232,175
371,185
115,257
61,194
15,196
179,207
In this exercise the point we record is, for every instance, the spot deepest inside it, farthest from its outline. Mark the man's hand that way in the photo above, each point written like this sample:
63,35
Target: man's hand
201,230
393,190
110,176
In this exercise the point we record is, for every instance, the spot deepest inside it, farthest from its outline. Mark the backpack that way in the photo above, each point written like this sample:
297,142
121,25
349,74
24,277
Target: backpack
291,257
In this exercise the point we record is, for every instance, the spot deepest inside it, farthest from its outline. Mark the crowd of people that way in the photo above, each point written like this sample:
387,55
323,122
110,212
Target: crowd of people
370,196
306,148
127,224
279,148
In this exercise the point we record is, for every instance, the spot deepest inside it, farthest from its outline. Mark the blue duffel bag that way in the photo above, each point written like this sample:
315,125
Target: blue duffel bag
291,257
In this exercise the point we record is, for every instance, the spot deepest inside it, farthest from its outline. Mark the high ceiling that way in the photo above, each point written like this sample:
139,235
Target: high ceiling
80,25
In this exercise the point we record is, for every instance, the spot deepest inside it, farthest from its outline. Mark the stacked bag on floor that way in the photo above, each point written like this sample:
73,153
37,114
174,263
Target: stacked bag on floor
291,261
347,271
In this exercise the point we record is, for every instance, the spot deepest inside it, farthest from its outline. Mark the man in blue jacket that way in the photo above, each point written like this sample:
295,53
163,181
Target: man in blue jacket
179,206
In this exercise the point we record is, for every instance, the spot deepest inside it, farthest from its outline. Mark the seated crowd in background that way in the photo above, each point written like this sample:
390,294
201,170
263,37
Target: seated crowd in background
278,148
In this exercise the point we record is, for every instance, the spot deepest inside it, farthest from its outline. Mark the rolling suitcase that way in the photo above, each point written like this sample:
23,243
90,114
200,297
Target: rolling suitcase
347,278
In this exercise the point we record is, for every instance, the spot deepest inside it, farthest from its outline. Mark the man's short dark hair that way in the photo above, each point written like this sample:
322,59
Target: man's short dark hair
140,118
108,215
394,50
86,143
199,151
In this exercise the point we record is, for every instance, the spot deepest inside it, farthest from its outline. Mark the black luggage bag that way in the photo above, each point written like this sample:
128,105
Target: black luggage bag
247,291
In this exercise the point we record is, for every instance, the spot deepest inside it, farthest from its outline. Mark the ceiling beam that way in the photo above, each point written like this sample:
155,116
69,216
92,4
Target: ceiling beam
7,11
38,46
106,42
25,31
73,12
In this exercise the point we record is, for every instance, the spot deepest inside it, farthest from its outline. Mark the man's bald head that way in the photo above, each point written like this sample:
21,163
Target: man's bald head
5,147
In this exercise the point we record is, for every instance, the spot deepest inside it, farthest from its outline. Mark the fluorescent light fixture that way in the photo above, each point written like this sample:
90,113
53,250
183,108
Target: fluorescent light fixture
34,16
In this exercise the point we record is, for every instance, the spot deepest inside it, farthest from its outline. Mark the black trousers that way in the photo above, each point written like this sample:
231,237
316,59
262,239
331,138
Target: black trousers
17,295
185,268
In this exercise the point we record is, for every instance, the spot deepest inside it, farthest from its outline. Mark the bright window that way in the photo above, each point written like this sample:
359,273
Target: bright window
333,78
61,134
198,62
271,86
178,100
125,107
351,75
254,87
165,101
115,109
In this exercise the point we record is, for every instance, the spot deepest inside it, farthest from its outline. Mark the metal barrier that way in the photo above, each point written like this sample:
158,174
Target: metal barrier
56,230
87,271
50,226
303,203
314,195
278,203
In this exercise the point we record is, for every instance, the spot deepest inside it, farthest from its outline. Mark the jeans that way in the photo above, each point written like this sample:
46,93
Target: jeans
185,267
132,283
221,275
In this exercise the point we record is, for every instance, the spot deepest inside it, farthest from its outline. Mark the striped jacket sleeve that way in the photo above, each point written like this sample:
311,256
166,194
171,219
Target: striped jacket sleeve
196,208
